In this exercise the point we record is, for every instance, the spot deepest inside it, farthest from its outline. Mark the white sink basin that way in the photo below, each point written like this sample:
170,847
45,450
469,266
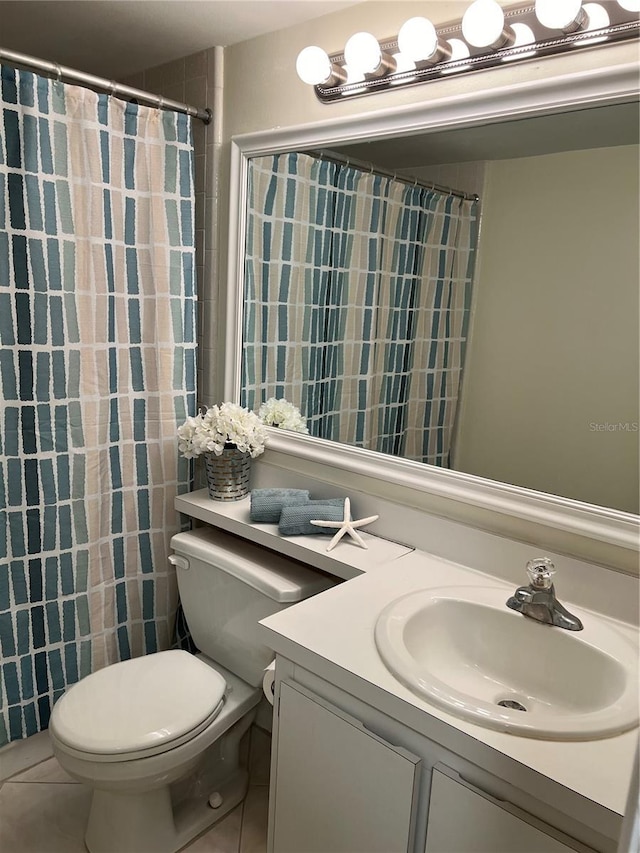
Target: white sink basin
463,649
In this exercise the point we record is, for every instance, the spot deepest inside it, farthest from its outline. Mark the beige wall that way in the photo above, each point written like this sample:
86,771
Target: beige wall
554,343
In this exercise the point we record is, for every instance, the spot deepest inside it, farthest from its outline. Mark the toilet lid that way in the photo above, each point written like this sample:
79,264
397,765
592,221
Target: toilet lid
139,704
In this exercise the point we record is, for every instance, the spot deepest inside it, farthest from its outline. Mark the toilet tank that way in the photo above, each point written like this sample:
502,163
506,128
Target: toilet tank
227,585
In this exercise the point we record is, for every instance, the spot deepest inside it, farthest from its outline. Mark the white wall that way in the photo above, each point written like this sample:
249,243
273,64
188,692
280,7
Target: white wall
464,177
554,342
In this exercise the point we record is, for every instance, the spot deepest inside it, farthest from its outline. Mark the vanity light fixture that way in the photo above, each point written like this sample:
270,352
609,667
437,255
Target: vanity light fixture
487,36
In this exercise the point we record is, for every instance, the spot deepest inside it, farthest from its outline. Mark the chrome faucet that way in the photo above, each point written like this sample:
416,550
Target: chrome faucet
538,600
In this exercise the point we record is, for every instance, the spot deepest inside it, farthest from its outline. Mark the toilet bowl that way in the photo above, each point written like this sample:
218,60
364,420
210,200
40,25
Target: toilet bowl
157,738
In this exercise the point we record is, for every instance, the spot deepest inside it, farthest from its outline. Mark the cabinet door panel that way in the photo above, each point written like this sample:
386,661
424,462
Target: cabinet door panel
338,787
463,820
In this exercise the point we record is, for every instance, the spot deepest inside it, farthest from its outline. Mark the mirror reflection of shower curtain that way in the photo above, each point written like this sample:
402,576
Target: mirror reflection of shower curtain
357,297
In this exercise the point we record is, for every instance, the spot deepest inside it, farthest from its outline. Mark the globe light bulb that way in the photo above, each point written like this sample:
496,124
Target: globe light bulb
565,15
362,53
403,63
418,39
354,75
630,5
459,50
597,16
313,65
483,23
524,35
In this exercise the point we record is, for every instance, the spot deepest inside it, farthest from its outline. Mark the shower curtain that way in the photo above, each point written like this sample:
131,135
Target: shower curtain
97,368
357,297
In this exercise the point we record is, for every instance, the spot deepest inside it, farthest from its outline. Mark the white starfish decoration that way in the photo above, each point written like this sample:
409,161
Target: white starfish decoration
347,525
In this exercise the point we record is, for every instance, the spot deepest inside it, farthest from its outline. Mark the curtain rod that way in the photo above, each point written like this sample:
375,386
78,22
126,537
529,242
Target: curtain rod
370,167
71,75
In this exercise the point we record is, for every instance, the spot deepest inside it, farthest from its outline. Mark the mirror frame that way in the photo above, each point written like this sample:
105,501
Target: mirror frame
598,87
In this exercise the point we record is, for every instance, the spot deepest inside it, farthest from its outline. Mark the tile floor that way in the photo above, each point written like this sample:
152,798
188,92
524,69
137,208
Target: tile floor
43,810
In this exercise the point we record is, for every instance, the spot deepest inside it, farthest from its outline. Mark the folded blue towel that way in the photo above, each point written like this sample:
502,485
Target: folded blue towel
296,520
266,504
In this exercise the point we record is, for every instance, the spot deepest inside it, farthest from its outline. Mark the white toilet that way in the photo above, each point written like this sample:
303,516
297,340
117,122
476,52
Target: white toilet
157,737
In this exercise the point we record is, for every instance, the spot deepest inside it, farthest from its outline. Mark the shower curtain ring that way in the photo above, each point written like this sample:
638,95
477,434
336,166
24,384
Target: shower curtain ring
58,72
112,88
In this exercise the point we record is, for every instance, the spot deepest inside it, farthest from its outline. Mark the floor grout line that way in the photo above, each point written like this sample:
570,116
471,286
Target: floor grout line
239,848
44,782
248,828
24,770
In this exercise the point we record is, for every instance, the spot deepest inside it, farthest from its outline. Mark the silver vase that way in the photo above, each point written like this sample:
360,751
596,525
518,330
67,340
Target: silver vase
228,474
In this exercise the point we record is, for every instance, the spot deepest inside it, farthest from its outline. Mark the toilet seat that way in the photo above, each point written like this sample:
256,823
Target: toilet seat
139,707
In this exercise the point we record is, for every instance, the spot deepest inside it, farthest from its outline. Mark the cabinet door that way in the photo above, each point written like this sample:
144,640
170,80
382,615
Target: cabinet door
338,787
465,820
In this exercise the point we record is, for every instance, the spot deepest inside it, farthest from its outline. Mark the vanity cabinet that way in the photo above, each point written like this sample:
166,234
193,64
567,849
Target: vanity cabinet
345,778
338,787
357,766
463,819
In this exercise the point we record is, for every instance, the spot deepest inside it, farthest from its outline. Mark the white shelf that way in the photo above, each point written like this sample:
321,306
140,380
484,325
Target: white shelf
347,560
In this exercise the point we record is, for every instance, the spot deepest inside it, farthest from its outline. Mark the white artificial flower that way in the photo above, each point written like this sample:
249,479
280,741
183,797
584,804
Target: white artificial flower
220,426
280,413
186,434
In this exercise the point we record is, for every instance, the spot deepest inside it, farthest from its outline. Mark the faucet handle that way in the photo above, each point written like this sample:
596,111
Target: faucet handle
541,571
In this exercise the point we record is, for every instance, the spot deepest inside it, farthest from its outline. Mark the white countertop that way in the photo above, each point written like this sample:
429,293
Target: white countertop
332,635
338,627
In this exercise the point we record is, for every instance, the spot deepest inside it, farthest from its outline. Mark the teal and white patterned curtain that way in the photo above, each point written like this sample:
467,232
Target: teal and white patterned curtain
97,369
357,298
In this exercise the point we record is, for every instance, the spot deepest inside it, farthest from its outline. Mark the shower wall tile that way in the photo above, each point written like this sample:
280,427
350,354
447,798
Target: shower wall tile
135,80
195,91
174,91
195,65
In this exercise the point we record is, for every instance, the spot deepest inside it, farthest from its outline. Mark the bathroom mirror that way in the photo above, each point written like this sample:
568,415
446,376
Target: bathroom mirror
549,400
